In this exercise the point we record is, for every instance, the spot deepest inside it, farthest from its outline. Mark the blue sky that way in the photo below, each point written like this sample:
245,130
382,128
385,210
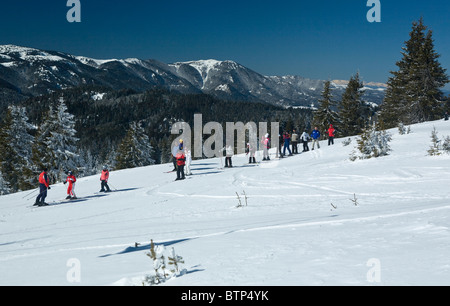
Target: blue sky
315,39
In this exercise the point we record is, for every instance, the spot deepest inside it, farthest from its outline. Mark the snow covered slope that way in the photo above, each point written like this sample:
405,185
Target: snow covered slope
288,234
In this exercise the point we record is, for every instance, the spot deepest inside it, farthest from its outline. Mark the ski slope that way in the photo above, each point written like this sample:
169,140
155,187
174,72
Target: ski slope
299,226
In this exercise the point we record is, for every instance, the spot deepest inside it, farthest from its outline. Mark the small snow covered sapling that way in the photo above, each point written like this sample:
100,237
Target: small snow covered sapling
175,260
435,146
157,255
446,145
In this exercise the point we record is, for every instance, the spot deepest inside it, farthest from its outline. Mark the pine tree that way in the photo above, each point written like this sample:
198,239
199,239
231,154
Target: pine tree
135,149
55,143
372,142
4,186
351,108
324,115
413,94
15,149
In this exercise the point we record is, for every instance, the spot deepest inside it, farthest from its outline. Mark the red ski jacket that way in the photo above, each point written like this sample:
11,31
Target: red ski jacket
71,179
181,159
331,131
105,175
43,179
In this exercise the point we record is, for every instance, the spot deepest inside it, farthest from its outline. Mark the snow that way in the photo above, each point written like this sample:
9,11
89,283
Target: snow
94,62
299,227
98,96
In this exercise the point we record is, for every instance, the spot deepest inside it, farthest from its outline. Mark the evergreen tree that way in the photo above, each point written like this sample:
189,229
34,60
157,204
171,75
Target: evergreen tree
413,94
351,108
324,115
4,186
55,143
15,149
135,149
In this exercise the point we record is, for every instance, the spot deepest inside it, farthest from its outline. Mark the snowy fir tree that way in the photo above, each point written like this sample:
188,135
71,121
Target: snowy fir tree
435,148
414,91
325,115
55,143
4,186
372,143
15,149
351,108
135,149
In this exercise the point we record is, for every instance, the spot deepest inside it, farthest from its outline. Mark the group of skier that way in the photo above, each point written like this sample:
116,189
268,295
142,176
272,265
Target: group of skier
44,185
182,159
287,140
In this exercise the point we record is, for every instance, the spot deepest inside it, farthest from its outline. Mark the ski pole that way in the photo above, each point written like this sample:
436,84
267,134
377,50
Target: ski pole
33,191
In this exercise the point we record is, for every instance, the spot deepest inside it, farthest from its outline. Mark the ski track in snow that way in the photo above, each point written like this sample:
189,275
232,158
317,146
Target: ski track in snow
406,194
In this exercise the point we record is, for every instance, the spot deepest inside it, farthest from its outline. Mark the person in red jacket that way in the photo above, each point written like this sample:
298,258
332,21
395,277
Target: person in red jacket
331,132
44,185
104,179
181,161
71,189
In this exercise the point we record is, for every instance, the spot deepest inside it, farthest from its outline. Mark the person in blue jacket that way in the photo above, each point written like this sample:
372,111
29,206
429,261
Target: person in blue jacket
315,135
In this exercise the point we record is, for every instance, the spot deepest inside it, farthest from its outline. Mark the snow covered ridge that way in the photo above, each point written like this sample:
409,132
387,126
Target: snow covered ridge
48,71
302,224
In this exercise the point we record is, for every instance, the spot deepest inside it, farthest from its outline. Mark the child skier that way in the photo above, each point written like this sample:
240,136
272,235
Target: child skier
104,179
71,189
331,131
266,146
229,153
251,150
181,162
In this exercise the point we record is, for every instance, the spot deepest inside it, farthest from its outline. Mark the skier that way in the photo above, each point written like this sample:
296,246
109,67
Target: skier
104,179
229,153
280,144
44,185
71,189
305,137
294,141
331,131
266,146
188,161
174,154
287,142
181,161
251,150
315,135
446,116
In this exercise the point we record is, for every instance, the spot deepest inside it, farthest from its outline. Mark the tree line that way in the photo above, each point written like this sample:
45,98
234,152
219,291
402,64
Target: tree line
75,130
413,93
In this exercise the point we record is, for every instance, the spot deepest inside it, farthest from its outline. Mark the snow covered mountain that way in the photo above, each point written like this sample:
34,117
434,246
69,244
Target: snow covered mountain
30,72
316,218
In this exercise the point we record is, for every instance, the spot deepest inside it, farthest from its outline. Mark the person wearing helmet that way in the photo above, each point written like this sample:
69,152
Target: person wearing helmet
71,189
104,179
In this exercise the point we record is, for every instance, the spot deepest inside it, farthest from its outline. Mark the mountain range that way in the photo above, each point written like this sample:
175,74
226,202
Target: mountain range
27,72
